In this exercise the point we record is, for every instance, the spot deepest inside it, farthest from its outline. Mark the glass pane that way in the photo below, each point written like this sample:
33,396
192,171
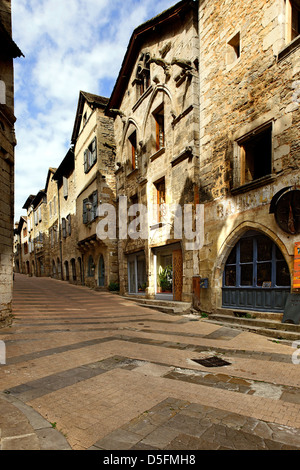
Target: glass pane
141,273
230,276
282,274
232,257
264,273
132,287
246,250
246,275
264,248
279,255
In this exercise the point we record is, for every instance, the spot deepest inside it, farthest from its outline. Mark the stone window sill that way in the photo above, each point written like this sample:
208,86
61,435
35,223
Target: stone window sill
157,154
287,50
253,184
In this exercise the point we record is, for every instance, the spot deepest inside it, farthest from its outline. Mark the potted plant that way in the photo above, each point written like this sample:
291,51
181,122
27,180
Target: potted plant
165,278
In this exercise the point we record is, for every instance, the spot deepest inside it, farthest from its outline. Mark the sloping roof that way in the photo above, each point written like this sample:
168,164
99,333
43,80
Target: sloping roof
7,44
51,171
66,166
22,220
40,195
95,101
137,39
28,201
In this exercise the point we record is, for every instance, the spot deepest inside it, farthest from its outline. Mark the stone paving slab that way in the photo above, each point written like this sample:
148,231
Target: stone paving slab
189,426
86,370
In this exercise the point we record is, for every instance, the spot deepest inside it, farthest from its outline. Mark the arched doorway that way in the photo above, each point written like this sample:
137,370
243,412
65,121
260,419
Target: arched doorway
256,275
80,270
53,269
67,270
59,274
73,266
101,272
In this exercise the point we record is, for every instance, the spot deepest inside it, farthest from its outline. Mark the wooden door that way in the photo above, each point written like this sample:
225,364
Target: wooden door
177,274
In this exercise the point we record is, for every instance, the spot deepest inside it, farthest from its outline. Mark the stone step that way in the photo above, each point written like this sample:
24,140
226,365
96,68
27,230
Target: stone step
165,306
162,308
260,322
250,314
274,329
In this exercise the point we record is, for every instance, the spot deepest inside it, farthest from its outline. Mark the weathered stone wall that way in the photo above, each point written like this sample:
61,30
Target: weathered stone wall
236,98
7,143
175,88
99,178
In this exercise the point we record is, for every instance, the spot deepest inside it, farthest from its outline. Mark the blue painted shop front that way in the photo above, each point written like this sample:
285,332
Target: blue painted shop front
256,275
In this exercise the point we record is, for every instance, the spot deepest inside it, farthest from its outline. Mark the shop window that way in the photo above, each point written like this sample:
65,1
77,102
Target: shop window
137,276
91,267
255,152
256,261
90,155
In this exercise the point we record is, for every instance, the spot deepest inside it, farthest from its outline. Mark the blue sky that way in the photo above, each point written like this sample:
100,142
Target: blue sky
69,45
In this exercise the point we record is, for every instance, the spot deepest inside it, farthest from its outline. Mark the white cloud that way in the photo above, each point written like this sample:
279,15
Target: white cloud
69,45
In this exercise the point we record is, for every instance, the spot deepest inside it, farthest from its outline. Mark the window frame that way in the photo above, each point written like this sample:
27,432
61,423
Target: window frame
93,199
160,135
255,263
90,155
292,10
160,188
240,157
133,149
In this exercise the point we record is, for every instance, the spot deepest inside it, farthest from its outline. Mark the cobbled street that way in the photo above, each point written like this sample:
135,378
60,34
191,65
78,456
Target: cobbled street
92,370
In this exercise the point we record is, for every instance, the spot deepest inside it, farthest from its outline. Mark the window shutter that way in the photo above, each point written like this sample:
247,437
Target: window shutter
64,232
94,150
65,186
84,212
95,204
85,161
69,224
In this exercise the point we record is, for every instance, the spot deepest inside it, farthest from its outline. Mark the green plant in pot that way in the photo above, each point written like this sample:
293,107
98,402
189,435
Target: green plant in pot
165,278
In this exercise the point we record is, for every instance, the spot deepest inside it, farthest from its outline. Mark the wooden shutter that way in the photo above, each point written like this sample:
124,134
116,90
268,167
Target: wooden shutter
94,150
95,204
85,161
69,224
64,231
84,212
65,186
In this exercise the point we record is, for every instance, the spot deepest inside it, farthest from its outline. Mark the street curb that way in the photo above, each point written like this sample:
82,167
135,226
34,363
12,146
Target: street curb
48,437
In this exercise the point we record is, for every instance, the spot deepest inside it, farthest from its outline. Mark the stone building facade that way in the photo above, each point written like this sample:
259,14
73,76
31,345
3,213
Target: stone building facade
62,218
8,51
155,105
249,153
93,143
21,247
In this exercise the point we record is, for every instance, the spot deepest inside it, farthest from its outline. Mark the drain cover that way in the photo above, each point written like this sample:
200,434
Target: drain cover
213,361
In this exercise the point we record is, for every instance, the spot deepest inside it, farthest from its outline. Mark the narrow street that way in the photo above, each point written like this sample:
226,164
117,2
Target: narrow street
92,370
